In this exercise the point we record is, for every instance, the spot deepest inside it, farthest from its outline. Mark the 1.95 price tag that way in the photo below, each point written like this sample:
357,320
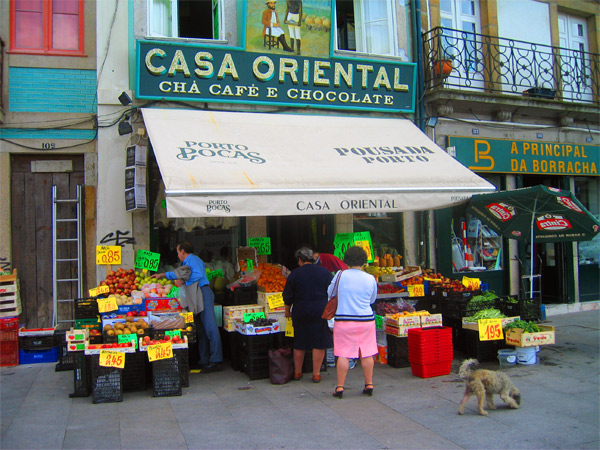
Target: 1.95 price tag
108,254
490,329
107,304
109,358
160,351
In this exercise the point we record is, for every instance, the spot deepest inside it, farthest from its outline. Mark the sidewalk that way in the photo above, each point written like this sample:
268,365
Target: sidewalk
224,410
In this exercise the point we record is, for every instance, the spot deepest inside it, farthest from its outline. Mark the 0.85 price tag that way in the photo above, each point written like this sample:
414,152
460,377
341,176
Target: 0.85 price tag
107,304
275,300
416,290
160,351
108,254
490,329
109,358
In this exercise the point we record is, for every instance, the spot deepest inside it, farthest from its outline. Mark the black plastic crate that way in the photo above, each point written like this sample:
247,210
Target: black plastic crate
458,332
166,380
244,295
82,377
255,368
66,359
182,357
233,349
134,373
525,308
37,342
397,351
307,364
483,351
462,306
255,346
191,335
85,308
107,385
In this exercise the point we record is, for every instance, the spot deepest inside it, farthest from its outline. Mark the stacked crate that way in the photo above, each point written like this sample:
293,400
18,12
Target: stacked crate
10,296
254,355
9,341
37,346
430,351
397,348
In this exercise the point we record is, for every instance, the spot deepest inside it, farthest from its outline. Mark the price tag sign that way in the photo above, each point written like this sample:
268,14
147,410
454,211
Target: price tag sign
94,292
416,290
490,329
108,254
363,239
341,243
188,317
250,265
471,283
147,260
261,244
174,292
112,359
365,246
107,304
122,338
250,316
214,274
275,300
289,327
378,322
173,333
160,351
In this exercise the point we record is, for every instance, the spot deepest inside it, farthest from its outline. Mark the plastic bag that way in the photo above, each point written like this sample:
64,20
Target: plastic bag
245,281
281,365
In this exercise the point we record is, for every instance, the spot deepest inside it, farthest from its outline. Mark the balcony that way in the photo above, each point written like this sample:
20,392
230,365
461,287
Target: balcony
510,72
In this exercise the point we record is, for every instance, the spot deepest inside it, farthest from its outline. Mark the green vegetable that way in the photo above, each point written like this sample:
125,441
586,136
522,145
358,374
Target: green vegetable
490,313
526,326
512,300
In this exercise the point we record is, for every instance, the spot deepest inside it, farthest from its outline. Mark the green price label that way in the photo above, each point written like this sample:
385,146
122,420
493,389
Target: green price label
341,243
378,322
146,260
250,264
262,245
123,338
174,292
214,274
173,333
250,316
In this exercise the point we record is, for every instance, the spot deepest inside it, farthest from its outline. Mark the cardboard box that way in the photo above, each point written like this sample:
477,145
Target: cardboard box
36,332
475,325
516,336
238,311
78,336
432,320
410,321
96,351
401,331
408,272
280,317
250,330
243,254
229,325
77,346
160,304
263,300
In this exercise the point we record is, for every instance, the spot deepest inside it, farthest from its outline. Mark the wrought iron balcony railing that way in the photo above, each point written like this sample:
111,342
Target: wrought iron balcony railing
465,60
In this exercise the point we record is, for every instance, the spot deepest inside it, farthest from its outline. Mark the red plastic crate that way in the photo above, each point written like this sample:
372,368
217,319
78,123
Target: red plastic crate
9,342
429,335
431,370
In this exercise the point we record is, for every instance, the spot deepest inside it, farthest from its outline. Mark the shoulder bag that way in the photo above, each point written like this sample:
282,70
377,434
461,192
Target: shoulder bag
331,307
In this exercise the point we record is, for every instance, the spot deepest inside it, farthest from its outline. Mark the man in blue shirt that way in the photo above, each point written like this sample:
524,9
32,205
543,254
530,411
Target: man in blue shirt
198,297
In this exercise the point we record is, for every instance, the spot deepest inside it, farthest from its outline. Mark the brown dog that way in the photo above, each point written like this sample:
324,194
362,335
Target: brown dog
484,384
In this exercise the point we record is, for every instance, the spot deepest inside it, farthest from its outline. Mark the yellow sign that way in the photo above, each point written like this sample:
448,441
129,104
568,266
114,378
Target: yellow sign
289,327
108,254
416,290
188,317
366,247
107,304
94,292
275,300
471,283
109,358
490,329
160,351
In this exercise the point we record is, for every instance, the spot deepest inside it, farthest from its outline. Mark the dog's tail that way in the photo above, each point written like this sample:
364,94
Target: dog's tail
466,368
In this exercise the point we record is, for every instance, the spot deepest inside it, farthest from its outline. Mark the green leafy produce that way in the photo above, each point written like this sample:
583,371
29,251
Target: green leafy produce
512,300
489,313
526,326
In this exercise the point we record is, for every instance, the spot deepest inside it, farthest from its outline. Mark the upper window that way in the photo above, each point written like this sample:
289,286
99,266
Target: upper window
197,19
52,27
366,26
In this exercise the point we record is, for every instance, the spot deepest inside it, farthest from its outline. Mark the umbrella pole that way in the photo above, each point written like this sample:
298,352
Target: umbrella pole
532,251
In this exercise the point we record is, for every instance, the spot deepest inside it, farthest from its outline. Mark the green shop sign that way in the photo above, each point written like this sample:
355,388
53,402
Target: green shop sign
534,157
188,72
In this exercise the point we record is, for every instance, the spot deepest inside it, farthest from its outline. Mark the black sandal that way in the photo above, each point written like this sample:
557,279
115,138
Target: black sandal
368,391
338,393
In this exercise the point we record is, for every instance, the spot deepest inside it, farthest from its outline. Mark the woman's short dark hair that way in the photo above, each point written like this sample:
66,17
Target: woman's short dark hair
186,247
305,254
355,256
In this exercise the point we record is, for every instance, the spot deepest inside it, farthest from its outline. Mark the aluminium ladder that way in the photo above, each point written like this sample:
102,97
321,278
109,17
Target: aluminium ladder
66,262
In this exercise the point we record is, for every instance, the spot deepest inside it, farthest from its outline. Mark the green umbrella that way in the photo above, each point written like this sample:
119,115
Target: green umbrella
538,214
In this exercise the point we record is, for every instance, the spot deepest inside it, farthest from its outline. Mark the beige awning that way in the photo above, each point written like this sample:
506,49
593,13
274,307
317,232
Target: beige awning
257,164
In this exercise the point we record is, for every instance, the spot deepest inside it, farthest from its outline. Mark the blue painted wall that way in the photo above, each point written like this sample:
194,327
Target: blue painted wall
33,89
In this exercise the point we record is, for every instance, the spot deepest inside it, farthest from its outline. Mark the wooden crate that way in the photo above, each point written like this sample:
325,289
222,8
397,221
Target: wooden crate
10,298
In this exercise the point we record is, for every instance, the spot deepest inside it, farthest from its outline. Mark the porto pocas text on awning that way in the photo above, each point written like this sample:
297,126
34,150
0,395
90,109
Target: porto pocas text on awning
257,164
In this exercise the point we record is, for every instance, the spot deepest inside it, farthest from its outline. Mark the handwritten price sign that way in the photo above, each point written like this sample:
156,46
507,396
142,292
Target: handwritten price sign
107,304
471,283
173,333
112,359
129,337
108,254
275,300
94,292
416,290
251,316
262,245
214,274
289,327
147,260
490,329
160,351
188,317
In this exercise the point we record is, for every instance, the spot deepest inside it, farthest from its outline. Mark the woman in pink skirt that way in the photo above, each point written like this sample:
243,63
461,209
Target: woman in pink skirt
354,328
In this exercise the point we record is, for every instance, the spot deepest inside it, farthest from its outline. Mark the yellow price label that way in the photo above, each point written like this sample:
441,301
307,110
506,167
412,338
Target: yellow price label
275,300
108,254
366,247
94,292
107,304
188,317
160,351
110,358
471,283
490,329
416,290
289,327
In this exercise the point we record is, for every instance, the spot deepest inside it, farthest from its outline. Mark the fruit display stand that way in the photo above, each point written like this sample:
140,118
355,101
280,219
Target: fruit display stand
106,382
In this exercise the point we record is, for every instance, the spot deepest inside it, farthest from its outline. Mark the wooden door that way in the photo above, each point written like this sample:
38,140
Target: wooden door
32,178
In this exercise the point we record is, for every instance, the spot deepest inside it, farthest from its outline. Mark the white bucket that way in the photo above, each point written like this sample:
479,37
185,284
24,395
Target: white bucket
527,355
507,357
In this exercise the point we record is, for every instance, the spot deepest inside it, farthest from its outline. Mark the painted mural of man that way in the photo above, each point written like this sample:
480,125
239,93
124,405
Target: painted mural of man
293,19
272,27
